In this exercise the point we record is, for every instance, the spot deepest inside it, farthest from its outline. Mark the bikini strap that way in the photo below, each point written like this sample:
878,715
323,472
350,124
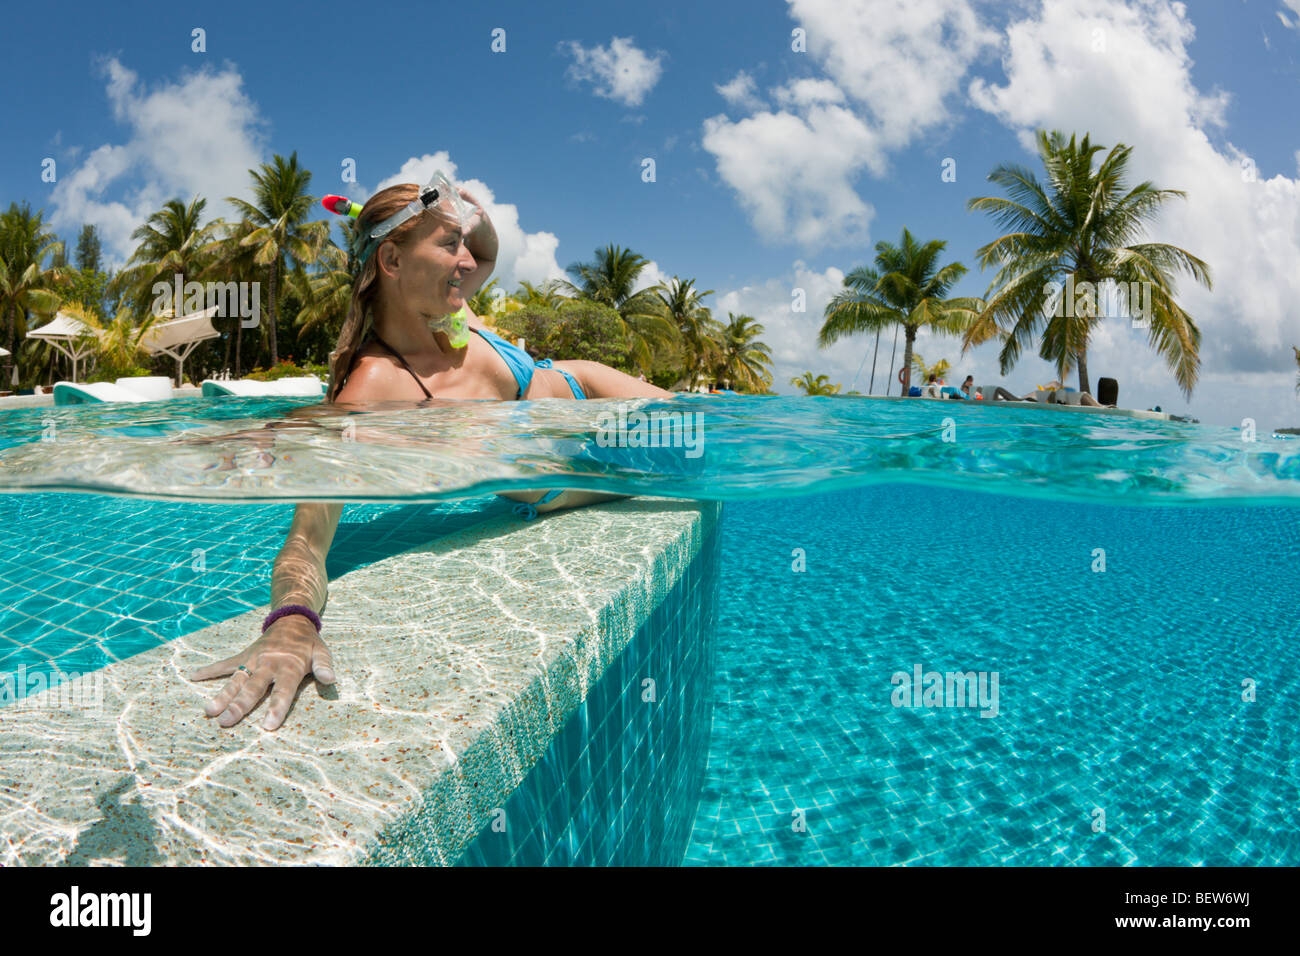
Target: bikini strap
394,353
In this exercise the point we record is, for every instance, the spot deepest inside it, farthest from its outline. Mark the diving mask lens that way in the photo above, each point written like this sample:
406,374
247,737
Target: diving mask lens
442,197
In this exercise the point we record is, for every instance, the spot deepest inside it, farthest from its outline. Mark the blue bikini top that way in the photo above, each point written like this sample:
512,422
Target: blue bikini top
520,362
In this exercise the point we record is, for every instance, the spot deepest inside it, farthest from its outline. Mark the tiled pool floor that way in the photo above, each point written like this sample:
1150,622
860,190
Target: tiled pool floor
1120,691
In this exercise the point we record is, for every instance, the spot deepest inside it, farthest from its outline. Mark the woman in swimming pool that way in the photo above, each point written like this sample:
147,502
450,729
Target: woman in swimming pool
423,265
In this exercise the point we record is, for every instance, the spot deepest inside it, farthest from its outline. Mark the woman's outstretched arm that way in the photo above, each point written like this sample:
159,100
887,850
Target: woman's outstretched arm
290,650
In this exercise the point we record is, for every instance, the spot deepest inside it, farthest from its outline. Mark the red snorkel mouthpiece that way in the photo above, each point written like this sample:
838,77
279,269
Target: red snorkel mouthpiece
342,206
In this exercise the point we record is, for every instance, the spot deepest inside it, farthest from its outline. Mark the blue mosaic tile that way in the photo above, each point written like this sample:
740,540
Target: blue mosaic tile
620,783
121,571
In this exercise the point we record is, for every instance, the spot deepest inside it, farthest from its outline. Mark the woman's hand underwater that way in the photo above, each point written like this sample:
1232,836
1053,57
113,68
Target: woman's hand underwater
288,652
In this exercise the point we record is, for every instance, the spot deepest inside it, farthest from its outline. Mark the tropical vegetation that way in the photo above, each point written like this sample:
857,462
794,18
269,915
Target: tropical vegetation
1083,224
1079,230
906,289
814,385
923,371
604,311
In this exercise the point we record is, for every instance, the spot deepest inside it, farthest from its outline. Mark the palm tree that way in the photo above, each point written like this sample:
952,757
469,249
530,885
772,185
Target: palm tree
1080,226
325,294
26,283
745,362
118,350
351,248
610,279
1297,362
699,333
821,385
546,295
171,241
232,259
923,372
281,234
482,302
907,288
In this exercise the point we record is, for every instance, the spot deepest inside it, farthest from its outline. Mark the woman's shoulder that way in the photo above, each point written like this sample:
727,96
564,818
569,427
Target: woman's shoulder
371,378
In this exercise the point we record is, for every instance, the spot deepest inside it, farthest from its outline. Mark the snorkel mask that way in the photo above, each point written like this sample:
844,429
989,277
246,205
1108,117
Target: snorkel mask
443,199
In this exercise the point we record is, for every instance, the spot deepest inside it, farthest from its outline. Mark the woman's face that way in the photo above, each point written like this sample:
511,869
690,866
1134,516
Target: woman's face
426,270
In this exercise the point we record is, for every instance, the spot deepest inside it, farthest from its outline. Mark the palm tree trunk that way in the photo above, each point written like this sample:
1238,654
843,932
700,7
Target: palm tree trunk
1083,371
892,355
871,389
239,347
907,358
275,270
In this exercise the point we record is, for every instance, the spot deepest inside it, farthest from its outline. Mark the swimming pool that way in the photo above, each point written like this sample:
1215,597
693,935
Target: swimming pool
1123,637
1120,690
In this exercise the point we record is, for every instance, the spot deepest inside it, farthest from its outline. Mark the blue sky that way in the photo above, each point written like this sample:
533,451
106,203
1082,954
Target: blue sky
775,169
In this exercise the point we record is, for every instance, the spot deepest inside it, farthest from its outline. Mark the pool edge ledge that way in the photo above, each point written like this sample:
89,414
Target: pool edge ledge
462,800
393,758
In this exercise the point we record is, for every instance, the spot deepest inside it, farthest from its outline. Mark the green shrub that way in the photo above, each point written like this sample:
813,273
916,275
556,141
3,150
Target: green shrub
107,372
286,369
578,329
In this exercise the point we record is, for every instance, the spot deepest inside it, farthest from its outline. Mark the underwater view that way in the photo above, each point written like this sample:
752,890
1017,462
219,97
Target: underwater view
1120,582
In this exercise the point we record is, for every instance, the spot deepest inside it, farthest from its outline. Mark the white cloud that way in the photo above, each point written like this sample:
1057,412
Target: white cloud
792,336
1248,231
522,255
621,71
807,93
651,275
903,60
198,135
1293,22
793,174
740,92
891,68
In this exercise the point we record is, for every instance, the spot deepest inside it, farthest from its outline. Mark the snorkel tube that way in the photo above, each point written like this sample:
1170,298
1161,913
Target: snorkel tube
456,325
342,206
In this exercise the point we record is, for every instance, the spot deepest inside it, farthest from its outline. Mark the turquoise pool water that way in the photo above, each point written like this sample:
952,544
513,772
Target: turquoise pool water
733,449
1119,690
92,579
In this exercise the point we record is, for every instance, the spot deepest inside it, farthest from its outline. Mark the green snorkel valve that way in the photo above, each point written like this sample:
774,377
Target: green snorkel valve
456,326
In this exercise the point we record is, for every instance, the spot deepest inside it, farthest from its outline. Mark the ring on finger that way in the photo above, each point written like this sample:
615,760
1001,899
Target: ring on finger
241,667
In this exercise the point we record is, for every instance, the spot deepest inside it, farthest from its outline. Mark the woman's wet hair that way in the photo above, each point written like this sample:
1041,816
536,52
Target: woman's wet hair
385,203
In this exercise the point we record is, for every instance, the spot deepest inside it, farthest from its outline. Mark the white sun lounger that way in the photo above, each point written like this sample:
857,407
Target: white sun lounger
150,388
306,387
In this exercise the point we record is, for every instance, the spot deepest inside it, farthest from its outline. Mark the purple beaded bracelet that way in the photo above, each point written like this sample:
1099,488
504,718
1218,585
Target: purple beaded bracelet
288,609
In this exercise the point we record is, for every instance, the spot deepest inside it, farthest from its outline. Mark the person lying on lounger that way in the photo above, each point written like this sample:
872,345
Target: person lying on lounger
1000,394
409,335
